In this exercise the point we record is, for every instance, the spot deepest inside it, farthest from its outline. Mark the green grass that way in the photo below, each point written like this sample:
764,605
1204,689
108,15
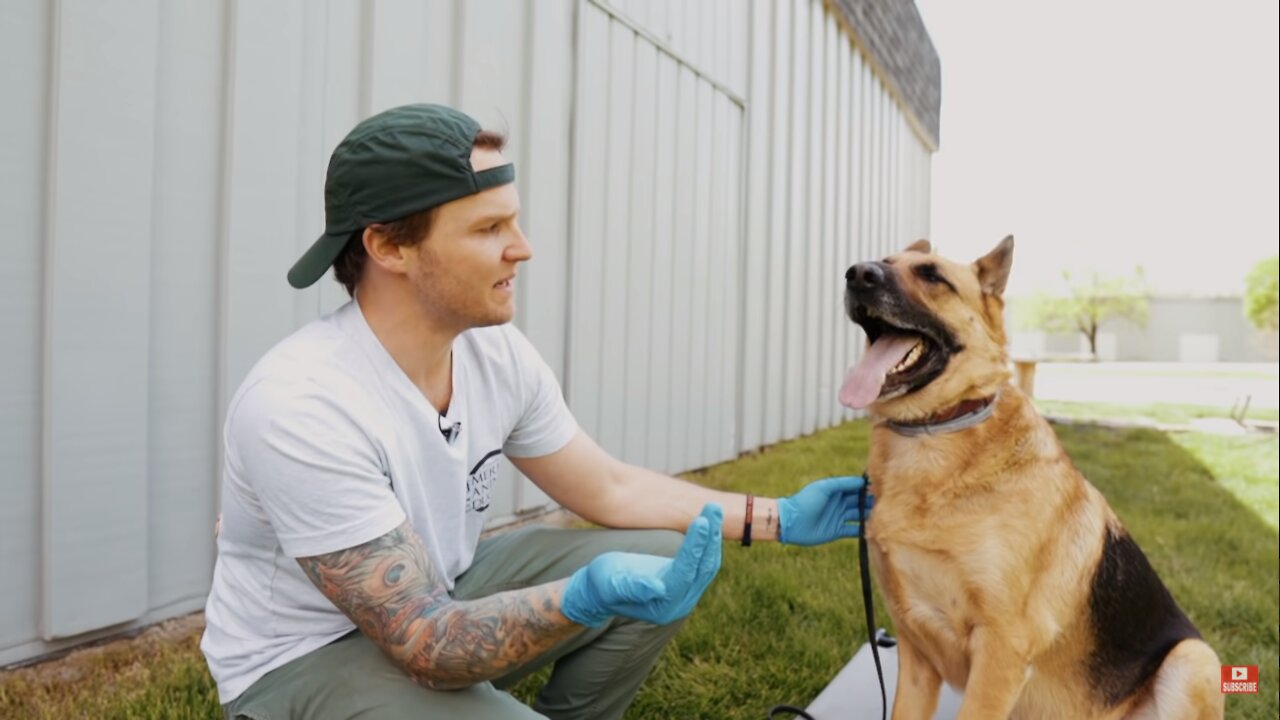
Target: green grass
779,622
148,679
1087,367
1162,413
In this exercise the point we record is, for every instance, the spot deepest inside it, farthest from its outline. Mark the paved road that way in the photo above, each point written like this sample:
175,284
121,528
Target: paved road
1221,384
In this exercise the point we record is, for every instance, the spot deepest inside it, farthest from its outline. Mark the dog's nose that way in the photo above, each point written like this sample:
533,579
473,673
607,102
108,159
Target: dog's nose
865,276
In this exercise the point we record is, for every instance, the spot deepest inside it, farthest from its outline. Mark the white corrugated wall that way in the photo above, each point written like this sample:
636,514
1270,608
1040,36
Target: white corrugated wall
695,176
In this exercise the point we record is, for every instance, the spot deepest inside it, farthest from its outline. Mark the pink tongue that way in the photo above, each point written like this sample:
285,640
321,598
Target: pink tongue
862,384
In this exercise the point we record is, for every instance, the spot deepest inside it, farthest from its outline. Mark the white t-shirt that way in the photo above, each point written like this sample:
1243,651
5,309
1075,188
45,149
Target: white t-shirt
330,445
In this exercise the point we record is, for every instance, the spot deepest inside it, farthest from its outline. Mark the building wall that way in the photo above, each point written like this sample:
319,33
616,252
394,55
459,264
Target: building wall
695,178
1177,330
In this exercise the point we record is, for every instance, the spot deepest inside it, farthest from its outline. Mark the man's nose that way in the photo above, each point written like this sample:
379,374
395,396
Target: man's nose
519,250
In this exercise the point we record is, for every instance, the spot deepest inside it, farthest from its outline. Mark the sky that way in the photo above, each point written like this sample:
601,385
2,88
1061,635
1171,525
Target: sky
1108,135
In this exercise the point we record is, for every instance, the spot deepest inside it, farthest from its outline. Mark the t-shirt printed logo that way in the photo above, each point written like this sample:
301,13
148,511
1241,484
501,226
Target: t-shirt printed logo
480,482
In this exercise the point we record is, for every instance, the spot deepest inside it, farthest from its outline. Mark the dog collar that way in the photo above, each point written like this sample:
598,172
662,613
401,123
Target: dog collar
963,416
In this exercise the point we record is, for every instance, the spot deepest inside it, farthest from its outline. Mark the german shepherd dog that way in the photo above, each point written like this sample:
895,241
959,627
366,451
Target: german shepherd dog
1005,571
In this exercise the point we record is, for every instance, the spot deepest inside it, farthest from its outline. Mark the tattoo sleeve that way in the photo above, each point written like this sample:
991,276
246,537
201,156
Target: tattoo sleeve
392,592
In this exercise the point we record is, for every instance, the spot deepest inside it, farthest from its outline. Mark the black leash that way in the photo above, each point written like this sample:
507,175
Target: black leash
873,636
864,568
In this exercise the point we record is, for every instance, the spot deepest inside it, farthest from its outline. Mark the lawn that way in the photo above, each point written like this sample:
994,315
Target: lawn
1160,413
780,622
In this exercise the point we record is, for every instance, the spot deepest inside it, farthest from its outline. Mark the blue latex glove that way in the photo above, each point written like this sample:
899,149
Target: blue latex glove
823,511
650,588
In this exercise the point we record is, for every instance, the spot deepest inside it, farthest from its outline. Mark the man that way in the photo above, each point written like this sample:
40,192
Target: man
360,451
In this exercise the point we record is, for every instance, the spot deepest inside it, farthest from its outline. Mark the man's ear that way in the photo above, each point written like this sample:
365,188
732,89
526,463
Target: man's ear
993,268
381,250
920,246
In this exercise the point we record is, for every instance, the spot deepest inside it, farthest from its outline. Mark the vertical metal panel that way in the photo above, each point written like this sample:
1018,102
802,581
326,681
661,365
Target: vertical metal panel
754,295
341,105
588,229
862,155
729,213
774,386
308,208
96,390
183,405
492,47
400,64
262,238
899,216
702,281
24,43
829,269
881,174
841,330
661,342
640,259
797,226
614,272
813,241
682,276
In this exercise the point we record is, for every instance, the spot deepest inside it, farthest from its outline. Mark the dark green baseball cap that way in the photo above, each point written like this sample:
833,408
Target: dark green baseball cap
392,165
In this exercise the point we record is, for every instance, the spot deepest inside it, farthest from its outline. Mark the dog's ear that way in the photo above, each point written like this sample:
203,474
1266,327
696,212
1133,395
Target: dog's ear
993,268
920,246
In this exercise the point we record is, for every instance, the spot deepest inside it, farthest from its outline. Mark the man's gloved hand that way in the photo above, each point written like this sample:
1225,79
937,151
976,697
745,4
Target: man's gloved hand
823,511
650,588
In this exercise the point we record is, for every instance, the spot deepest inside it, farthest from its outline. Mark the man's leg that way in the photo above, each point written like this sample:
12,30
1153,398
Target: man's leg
352,678
598,672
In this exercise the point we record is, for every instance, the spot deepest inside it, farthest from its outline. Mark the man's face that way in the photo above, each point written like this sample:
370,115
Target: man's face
466,267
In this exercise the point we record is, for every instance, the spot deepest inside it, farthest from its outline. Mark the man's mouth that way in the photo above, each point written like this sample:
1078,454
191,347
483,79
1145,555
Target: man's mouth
905,352
505,284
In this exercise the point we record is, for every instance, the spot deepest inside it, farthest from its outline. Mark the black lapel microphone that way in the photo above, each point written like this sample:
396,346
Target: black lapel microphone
450,432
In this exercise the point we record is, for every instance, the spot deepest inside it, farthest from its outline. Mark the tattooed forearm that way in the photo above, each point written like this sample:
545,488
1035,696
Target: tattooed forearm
391,591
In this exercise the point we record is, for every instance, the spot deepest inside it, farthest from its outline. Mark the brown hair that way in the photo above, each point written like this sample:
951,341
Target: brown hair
405,232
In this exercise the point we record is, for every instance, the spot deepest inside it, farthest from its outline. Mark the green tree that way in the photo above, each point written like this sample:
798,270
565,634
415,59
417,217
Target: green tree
1262,294
1090,300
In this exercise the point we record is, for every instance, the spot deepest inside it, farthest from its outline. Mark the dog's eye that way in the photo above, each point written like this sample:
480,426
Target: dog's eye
929,273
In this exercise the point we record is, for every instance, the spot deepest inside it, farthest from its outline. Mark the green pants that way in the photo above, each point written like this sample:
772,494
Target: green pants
596,673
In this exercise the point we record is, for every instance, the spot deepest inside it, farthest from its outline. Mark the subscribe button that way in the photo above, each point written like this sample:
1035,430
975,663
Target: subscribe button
1239,679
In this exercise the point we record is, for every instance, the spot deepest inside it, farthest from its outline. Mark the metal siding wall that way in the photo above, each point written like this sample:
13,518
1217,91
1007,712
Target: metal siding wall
146,273
797,237
777,182
687,326
587,256
835,175
96,386
754,306
655,260
24,43
659,350
183,417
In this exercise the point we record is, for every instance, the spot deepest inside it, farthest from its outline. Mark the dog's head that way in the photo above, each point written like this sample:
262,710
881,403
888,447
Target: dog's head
935,331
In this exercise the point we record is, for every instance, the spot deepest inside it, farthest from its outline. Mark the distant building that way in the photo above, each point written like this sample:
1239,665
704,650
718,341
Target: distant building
1178,329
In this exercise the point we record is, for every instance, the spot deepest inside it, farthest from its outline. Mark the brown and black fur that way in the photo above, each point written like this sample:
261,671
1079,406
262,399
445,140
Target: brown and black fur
1006,572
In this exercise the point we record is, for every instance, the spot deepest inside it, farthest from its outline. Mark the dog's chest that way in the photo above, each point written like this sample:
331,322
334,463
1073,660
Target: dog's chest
928,589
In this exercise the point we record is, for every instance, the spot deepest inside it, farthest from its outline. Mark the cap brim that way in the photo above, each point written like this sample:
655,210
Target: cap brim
317,260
